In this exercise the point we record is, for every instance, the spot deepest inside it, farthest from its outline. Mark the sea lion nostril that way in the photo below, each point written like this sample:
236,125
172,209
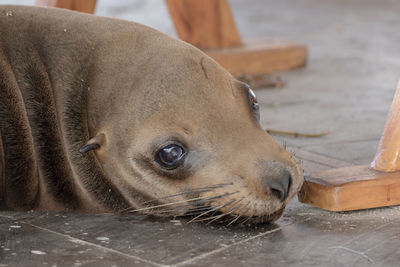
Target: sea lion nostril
280,186
278,192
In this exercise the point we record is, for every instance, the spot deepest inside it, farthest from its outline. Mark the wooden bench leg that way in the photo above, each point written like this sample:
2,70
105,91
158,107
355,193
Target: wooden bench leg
209,25
362,187
86,6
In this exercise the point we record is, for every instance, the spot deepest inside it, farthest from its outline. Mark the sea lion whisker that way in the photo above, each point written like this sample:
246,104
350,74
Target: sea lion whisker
191,212
131,209
219,185
215,197
210,200
197,199
183,206
248,218
240,215
167,204
284,144
234,219
179,194
194,213
224,214
197,190
218,216
195,203
208,218
198,209
245,220
206,212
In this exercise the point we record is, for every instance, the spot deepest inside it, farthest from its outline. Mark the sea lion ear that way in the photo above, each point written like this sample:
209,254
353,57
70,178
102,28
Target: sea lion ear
92,144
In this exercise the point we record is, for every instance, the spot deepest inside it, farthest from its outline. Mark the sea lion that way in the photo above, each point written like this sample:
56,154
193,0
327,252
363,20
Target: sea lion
100,115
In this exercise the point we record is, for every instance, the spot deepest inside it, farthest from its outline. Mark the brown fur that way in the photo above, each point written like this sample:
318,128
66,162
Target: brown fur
68,79
38,57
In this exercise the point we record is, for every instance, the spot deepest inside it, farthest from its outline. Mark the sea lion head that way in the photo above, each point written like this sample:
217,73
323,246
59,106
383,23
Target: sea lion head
177,134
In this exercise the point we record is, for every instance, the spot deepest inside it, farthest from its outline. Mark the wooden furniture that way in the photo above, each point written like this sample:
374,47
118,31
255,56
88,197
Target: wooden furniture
209,25
86,6
362,187
205,24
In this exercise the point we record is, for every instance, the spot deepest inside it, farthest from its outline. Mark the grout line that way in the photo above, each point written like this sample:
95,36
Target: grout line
339,142
298,152
83,242
360,253
204,255
7,216
317,162
332,166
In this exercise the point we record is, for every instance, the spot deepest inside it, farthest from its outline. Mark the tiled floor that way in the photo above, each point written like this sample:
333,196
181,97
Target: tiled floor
346,88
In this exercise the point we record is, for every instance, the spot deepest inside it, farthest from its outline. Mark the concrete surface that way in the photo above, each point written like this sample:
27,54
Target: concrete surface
346,88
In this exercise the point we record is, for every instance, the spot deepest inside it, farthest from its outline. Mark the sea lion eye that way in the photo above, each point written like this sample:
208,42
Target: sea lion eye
170,156
255,107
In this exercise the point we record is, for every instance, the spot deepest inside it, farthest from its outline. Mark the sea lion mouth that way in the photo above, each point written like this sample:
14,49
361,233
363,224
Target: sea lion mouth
265,218
198,208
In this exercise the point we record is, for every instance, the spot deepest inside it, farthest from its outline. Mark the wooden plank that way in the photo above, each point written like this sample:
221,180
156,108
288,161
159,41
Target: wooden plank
260,56
86,6
362,187
205,23
351,188
387,157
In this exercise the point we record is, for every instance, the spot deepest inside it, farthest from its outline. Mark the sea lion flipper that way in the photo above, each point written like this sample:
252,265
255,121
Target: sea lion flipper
92,144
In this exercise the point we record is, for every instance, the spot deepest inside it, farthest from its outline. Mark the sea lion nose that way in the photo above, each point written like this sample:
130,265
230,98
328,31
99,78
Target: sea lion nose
278,185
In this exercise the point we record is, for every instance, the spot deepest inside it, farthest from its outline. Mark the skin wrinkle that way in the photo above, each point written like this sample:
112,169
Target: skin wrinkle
16,145
39,103
233,89
152,180
203,68
135,196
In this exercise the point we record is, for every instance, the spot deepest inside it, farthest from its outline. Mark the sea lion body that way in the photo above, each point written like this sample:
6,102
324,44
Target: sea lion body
93,111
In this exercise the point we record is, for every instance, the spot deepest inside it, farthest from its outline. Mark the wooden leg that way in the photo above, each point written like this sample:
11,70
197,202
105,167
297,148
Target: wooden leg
362,187
86,6
205,24
387,157
209,25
